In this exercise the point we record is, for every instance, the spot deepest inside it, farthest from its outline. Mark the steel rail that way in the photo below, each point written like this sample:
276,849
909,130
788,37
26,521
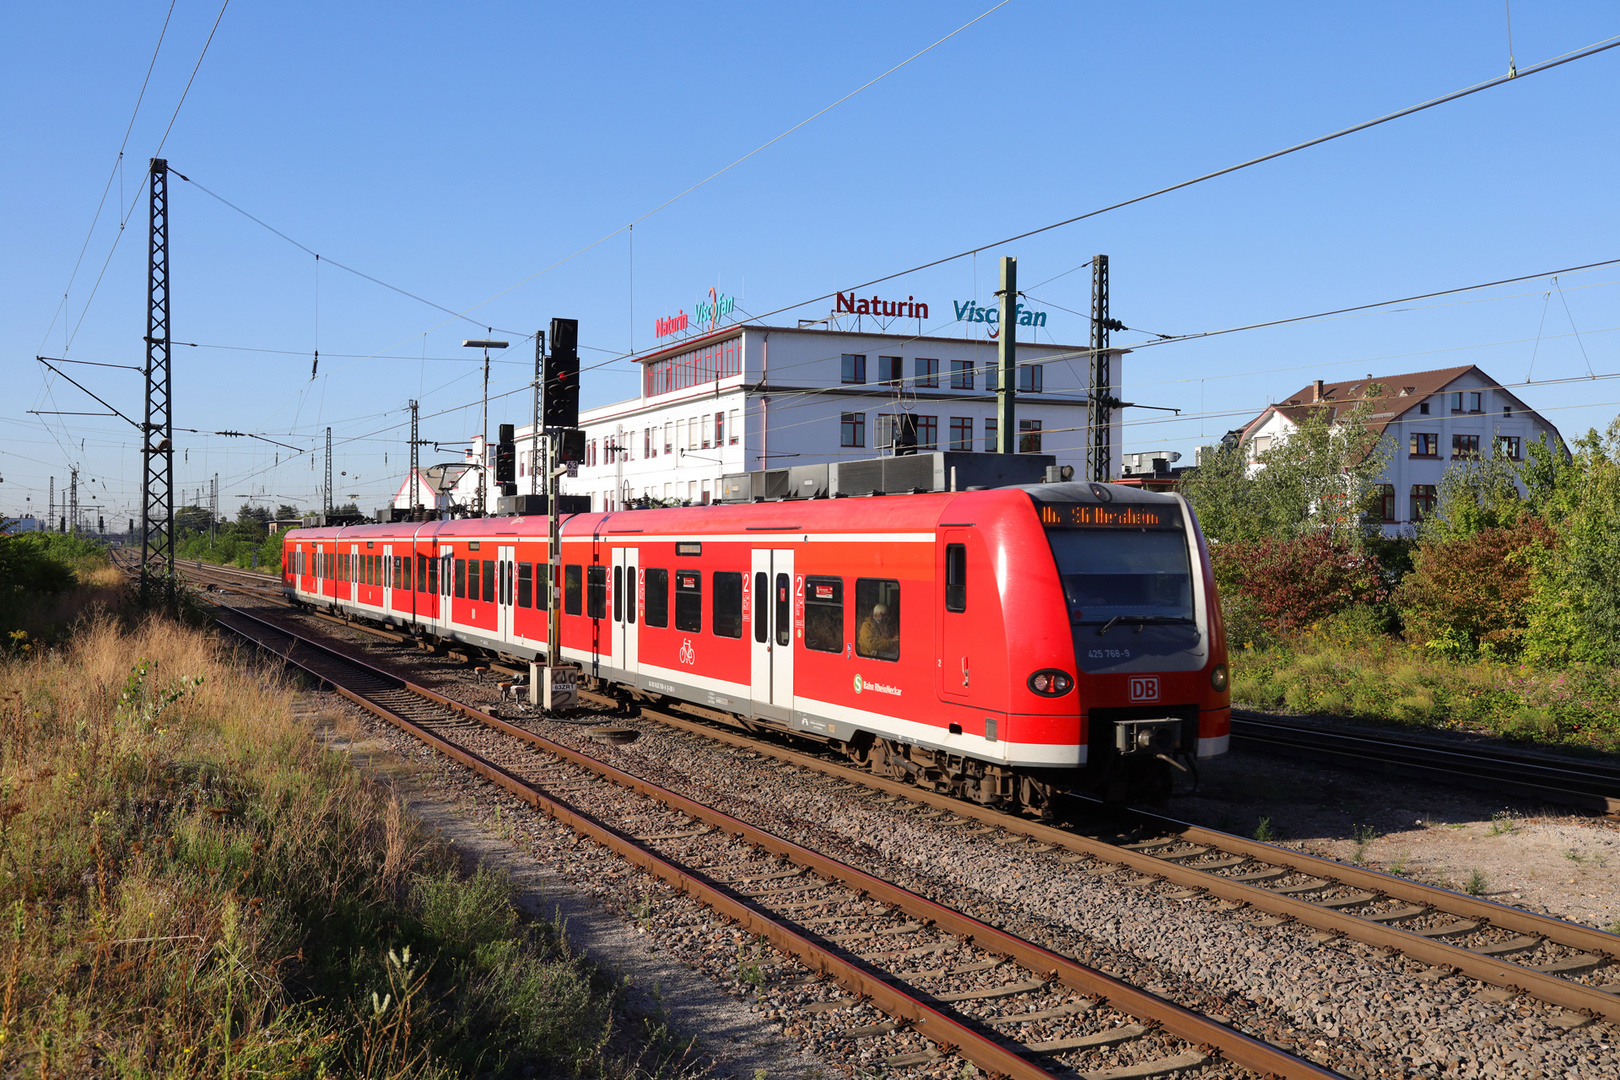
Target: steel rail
1578,997
1491,769
943,1030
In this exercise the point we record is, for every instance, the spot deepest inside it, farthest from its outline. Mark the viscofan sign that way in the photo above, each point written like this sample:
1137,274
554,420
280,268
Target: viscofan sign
711,311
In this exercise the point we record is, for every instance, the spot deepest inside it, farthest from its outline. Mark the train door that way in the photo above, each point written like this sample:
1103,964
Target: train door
626,602
956,630
387,577
318,565
771,599
447,569
505,594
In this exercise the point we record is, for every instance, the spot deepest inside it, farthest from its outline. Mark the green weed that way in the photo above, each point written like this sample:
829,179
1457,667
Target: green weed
1264,833
1476,883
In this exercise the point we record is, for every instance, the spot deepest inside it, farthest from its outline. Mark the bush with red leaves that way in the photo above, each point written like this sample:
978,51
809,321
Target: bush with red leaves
1287,585
1473,590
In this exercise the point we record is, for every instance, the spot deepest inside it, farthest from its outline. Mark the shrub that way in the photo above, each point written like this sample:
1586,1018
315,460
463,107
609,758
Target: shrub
1297,582
1473,590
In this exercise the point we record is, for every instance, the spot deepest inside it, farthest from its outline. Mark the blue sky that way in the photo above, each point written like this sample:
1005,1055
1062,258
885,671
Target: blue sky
458,151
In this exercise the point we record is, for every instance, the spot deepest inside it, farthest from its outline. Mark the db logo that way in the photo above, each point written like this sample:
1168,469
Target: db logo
688,654
1145,689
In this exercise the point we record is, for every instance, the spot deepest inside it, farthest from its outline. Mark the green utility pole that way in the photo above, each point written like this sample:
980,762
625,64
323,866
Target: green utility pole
1007,361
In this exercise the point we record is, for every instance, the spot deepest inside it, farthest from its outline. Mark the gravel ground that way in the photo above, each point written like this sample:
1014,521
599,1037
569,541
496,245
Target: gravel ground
1349,1006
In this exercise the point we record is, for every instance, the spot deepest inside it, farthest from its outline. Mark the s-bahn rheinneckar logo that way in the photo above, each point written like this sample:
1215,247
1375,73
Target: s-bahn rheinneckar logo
859,686
1144,688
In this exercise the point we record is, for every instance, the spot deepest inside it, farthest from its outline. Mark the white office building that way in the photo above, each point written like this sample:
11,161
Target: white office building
746,398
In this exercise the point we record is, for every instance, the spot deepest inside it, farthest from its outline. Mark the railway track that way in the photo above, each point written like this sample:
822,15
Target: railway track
1025,1009
1566,964
1593,785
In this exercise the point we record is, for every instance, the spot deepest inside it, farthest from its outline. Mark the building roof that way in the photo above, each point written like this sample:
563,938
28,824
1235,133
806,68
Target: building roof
1400,393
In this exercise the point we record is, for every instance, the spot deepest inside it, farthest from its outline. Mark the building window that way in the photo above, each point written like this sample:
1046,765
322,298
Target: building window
990,438
694,367
1507,412
992,372
646,443
1386,502
1423,408
1465,446
736,433
1029,436
1424,498
1475,401
1425,444
669,438
719,429
1030,379
889,369
852,429
854,368
927,371
961,374
961,433
927,433
1509,446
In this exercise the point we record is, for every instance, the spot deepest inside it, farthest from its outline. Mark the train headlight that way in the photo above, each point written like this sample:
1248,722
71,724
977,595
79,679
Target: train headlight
1218,678
1050,682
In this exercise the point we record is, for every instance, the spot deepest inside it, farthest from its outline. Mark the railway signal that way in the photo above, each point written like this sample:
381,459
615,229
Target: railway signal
560,389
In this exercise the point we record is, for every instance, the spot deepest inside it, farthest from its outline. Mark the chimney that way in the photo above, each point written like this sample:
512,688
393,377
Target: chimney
1316,391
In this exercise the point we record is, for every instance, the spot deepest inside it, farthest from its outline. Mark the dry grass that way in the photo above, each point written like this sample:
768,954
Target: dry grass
191,887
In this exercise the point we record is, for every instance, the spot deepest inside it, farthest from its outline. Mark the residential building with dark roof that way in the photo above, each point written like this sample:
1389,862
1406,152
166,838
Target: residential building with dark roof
1433,419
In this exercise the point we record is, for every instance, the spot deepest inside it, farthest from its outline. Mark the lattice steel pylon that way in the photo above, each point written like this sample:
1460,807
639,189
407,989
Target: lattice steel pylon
73,501
326,511
1100,400
157,429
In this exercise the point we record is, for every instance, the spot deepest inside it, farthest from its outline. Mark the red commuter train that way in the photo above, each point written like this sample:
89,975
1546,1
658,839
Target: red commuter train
1005,645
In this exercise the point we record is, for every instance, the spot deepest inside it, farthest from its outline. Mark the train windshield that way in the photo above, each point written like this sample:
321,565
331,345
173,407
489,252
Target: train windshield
1124,577
1130,598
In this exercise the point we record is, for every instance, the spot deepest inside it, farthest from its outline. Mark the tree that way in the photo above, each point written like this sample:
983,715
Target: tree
1322,476
247,513
1575,601
1469,590
1475,496
286,511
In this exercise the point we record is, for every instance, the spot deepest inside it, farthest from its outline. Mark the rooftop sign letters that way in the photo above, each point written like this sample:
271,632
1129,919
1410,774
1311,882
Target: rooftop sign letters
970,311
711,311
909,308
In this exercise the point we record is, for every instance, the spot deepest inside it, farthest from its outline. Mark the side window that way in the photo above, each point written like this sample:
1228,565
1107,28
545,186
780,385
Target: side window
542,586
618,594
877,603
461,579
472,579
728,592
784,610
688,601
433,575
573,589
630,600
762,596
489,581
596,592
405,571
525,583
824,614
657,598
955,577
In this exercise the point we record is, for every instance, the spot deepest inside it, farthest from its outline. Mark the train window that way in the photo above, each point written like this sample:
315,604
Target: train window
824,614
472,579
433,575
573,589
784,609
489,581
630,601
728,596
688,600
421,573
657,598
542,585
618,594
877,602
461,579
596,592
525,583
762,596
955,577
